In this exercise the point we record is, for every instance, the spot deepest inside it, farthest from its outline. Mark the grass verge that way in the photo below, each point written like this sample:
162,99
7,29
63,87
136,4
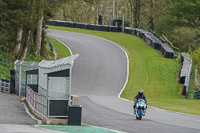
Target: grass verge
150,71
61,49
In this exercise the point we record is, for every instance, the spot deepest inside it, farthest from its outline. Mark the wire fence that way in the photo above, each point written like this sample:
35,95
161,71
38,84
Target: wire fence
20,75
197,78
37,100
46,85
45,104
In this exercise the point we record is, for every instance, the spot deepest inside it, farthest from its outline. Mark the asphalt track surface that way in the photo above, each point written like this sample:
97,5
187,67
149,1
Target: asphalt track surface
99,74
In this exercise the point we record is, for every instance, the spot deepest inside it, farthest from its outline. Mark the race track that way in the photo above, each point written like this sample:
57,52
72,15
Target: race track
99,74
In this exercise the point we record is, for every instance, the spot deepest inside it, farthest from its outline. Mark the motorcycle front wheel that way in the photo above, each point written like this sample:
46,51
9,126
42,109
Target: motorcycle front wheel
140,115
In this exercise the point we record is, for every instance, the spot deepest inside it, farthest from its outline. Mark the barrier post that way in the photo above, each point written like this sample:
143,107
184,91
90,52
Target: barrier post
9,88
0,85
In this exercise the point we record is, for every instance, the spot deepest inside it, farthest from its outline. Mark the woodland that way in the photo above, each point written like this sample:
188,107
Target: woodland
22,22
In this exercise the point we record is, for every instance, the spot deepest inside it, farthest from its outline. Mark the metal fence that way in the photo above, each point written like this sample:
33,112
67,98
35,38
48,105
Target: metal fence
197,84
48,106
4,86
37,100
46,85
20,75
197,77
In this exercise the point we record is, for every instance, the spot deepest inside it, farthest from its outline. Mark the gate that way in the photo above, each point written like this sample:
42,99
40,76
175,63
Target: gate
4,86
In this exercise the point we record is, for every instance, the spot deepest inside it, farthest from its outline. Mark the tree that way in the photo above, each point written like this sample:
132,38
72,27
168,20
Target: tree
12,18
26,45
29,27
196,58
40,6
184,18
136,7
4,25
185,12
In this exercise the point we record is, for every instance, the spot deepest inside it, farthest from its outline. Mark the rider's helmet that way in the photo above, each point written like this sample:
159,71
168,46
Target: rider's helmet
140,92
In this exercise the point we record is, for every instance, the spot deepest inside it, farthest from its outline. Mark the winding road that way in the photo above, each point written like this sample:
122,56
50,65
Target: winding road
99,75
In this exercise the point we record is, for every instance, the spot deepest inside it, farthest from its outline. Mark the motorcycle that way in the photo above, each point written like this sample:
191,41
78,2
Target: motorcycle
141,107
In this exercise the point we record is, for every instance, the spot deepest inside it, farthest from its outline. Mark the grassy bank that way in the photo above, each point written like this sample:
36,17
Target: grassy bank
149,71
61,49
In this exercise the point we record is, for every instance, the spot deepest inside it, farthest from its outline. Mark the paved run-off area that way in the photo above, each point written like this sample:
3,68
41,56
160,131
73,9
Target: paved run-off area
15,119
78,129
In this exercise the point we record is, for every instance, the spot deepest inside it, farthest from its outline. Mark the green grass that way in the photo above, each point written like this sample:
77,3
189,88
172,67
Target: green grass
150,71
61,49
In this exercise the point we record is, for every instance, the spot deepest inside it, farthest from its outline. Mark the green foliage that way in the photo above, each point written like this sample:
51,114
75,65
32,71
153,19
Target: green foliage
192,84
181,24
185,12
32,58
46,50
23,13
185,38
89,1
5,65
196,58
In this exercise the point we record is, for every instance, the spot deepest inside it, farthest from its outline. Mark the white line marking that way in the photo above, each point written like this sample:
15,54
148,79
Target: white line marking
127,60
65,45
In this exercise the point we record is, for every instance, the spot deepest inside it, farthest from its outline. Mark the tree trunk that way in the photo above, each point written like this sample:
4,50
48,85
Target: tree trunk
18,40
26,44
151,17
39,34
136,6
95,12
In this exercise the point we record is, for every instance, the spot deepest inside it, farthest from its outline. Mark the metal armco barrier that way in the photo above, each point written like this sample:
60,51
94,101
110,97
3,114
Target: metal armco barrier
4,86
185,72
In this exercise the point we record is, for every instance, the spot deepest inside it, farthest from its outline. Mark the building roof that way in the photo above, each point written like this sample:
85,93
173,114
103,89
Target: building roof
64,61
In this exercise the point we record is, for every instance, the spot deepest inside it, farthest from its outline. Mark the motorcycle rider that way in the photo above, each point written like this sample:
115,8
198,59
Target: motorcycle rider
140,95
